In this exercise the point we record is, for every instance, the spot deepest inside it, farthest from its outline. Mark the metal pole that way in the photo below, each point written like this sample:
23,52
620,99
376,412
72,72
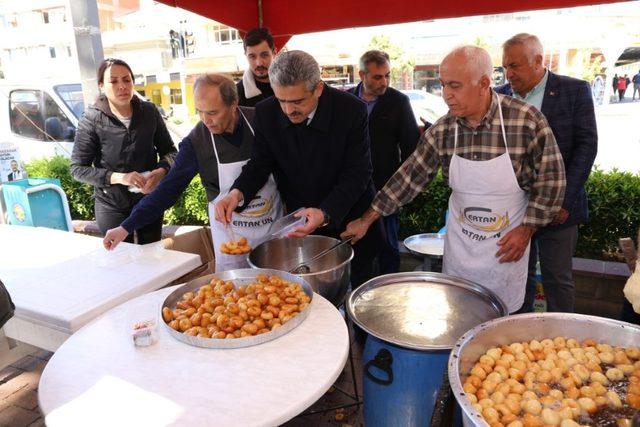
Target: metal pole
260,13
86,29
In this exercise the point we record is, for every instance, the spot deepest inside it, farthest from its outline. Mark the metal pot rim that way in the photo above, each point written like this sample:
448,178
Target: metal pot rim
455,356
388,279
313,273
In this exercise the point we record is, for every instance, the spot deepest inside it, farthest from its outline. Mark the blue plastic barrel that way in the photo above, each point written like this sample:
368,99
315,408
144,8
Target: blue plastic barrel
400,385
413,320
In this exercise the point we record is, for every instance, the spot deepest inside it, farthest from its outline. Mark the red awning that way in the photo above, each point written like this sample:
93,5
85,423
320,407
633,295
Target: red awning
284,18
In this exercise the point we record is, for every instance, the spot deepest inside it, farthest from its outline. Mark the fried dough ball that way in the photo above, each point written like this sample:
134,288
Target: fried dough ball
219,310
548,382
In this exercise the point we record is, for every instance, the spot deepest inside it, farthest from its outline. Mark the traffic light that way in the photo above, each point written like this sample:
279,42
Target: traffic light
189,44
176,45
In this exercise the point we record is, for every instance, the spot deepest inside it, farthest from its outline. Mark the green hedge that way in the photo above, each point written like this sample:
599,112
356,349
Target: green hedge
614,198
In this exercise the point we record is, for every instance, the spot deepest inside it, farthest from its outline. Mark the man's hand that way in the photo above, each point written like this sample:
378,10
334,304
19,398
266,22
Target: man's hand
561,217
359,227
225,207
315,218
154,177
514,244
425,125
114,237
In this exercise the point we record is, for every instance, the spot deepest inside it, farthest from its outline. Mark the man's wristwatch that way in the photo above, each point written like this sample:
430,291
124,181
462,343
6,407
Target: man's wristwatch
326,220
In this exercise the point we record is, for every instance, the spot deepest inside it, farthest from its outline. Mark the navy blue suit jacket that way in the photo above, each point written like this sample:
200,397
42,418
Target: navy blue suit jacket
568,107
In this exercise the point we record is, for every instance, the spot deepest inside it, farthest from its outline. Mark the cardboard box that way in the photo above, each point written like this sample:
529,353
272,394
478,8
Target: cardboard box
194,240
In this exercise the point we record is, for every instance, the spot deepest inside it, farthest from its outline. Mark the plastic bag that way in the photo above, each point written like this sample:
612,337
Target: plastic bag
632,288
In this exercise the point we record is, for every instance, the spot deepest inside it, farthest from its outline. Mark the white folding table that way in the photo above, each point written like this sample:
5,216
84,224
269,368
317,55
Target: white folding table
59,281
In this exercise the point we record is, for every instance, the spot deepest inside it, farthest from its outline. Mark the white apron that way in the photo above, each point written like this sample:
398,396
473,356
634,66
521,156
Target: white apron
485,204
254,222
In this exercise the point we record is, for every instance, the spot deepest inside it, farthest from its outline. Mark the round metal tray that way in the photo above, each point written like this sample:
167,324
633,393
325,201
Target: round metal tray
421,310
412,243
239,278
526,327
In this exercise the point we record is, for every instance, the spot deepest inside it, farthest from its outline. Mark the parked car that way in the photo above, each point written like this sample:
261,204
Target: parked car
41,119
426,105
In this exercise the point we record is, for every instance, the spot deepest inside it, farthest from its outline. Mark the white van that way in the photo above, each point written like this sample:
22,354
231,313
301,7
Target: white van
40,119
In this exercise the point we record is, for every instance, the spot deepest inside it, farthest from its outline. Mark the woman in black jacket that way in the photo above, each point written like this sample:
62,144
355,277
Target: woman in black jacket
122,148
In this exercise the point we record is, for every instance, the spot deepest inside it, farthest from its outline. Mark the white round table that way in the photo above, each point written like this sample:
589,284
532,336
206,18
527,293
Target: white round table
98,377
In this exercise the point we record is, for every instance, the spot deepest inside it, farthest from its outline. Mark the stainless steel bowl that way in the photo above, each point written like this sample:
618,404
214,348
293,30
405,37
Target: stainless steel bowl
239,277
412,244
329,275
526,327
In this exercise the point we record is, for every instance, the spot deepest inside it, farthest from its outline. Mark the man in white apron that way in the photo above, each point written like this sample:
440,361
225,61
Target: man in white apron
216,148
505,170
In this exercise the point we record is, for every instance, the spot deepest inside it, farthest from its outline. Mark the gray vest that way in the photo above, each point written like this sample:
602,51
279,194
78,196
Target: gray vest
207,162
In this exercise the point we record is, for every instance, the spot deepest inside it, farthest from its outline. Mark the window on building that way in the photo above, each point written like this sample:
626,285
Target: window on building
176,96
69,51
45,16
174,77
52,52
156,96
57,15
151,79
225,35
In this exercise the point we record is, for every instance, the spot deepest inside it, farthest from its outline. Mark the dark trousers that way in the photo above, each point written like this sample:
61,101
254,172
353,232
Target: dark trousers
365,253
636,88
554,249
108,219
628,314
389,258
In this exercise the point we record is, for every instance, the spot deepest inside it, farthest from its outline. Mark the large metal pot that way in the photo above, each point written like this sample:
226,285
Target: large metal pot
526,327
329,275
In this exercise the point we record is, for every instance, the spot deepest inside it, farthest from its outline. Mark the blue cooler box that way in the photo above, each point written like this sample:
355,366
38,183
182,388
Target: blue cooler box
37,202
413,320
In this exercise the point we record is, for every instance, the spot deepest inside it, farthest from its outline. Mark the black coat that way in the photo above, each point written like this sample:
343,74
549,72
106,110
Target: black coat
266,89
104,145
568,107
326,164
393,133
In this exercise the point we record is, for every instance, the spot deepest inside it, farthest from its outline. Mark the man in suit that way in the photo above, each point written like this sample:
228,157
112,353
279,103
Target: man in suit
393,134
314,140
16,173
568,107
259,49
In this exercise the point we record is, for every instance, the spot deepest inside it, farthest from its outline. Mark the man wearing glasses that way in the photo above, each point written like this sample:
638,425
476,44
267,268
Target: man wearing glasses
314,140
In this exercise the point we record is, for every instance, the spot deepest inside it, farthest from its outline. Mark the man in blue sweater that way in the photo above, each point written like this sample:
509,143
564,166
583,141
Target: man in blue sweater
567,105
217,148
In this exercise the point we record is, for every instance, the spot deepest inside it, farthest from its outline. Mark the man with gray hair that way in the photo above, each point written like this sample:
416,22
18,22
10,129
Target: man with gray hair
313,138
505,171
393,133
567,105
217,148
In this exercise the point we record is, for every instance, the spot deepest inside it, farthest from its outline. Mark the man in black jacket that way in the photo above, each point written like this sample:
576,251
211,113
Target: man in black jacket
259,50
567,105
313,138
393,134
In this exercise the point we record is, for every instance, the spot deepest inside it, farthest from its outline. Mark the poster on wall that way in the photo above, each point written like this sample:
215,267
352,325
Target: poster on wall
11,168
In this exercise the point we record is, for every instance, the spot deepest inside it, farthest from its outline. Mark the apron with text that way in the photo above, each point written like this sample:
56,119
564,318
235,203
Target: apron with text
485,204
253,223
